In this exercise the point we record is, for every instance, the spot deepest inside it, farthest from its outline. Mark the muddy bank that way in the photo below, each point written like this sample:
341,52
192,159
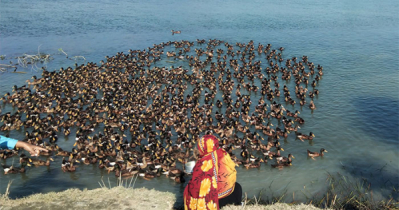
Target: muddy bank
114,198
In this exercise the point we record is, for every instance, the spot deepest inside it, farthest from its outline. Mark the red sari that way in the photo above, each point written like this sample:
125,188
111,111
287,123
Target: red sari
214,176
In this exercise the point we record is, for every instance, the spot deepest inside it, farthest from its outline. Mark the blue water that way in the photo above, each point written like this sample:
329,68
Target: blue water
356,42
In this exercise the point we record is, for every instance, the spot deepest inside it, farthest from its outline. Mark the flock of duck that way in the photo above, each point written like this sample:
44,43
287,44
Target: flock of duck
133,115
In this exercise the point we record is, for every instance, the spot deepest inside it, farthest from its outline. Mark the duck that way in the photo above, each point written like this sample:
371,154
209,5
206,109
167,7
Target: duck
38,162
293,128
180,178
254,164
302,137
48,153
15,170
108,165
277,153
283,133
67,166
295,115
4,154
24,158
281,165
285,159
175,32
311,105
147,174
119,172
67,131
316,154
300,120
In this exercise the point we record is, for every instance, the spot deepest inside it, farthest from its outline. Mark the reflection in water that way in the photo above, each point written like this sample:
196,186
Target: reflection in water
36,185
380,118
377,174
74,176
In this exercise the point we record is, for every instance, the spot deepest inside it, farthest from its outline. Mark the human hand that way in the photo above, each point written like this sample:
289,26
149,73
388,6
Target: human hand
32,149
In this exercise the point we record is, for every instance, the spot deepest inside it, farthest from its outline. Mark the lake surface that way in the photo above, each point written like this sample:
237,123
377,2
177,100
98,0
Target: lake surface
356,42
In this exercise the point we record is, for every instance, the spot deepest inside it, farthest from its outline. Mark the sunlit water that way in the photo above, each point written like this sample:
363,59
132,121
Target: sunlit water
356,42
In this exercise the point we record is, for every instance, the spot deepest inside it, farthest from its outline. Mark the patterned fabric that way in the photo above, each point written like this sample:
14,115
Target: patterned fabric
214,176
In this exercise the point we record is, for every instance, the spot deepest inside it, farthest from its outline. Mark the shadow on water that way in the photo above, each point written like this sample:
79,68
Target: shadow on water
380,117
379,176
53,182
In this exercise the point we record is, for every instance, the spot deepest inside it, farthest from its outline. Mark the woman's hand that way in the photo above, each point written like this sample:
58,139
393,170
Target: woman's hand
32,149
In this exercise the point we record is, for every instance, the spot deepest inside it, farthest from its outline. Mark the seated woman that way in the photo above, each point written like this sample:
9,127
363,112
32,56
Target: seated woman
213,184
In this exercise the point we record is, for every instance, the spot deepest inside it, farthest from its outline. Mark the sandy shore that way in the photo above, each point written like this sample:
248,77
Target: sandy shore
116,198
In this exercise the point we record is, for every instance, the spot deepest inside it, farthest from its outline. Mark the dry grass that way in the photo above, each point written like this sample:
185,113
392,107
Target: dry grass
5,195
341,194
115,198
101,198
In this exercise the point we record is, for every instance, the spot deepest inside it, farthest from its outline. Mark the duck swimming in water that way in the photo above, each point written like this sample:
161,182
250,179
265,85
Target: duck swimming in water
281,165
302,137
175,32
15,170
311,105
128,93
285,159
67,166
316,154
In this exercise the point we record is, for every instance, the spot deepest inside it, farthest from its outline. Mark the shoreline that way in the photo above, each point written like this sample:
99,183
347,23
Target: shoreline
116,198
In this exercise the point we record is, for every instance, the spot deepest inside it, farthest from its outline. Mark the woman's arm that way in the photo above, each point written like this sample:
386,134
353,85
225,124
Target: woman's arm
8,143
32,149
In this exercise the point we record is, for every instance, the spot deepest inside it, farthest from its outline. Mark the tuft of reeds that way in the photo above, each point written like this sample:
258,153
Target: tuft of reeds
25,60
342,193
73,58
275,198
7,192
4,67
32,60
128,183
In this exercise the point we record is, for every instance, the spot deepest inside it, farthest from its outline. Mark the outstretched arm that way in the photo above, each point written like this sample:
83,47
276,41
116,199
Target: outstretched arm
8,143
32,149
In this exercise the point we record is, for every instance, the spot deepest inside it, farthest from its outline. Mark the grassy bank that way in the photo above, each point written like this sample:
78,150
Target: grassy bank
115,198
101,198
341,194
